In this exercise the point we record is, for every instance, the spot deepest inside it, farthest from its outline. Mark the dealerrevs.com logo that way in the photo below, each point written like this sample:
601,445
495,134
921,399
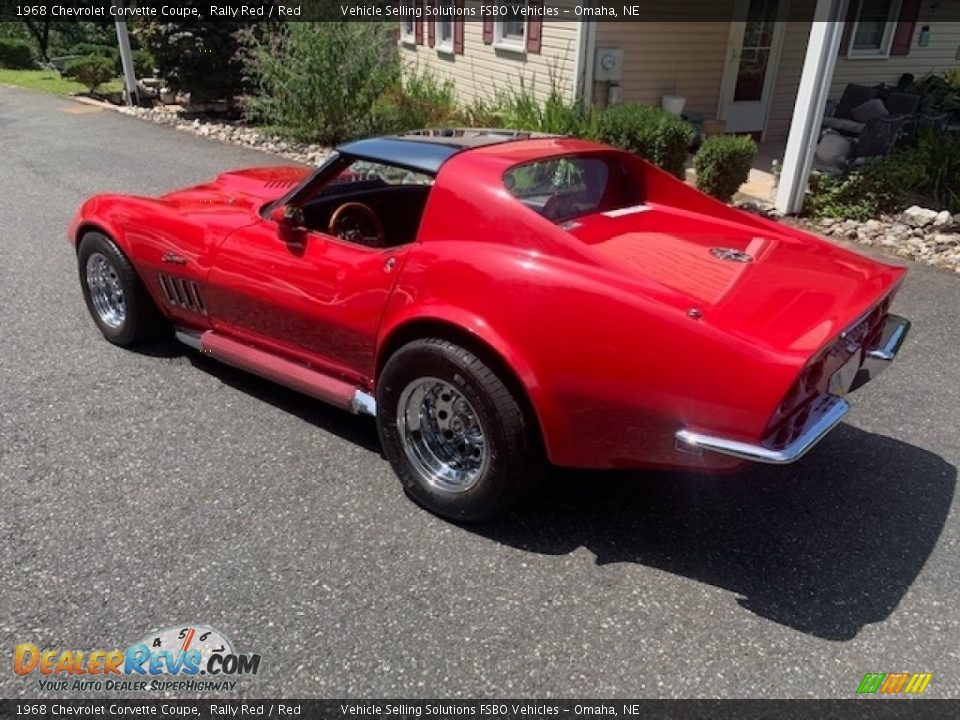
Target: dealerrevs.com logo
171,659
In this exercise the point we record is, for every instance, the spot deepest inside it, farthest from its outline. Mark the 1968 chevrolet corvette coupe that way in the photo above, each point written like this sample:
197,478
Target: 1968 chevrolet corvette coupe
500,301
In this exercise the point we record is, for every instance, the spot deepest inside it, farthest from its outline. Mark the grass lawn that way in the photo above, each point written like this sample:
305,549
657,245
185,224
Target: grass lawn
43,80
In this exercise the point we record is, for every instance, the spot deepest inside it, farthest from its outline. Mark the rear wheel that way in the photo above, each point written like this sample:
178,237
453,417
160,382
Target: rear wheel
116,298
456,436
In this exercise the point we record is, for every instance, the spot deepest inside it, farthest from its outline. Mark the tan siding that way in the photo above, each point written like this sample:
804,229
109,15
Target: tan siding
655,54
483,70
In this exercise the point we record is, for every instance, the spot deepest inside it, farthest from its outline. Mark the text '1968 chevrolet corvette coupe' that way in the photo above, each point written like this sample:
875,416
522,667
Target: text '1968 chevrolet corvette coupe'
501,302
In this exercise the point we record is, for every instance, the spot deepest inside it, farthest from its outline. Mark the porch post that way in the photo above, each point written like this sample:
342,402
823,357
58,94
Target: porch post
821,59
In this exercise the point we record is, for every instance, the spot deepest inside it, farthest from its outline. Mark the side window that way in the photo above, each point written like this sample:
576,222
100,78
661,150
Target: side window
565,187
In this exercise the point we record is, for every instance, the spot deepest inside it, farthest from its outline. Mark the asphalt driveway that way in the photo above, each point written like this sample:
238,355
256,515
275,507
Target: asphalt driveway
141,490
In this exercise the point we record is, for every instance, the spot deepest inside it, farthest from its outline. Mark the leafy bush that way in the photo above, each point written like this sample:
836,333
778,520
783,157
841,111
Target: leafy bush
320,81
91,70
196,56
723,164
86,49
940,157
423,101
649,132
16,55
143,64
519,109
863,193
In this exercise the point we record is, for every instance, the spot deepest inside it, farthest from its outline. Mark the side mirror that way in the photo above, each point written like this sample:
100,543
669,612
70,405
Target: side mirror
287,216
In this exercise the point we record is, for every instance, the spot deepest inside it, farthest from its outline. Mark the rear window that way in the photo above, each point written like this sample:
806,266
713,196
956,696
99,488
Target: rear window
569,186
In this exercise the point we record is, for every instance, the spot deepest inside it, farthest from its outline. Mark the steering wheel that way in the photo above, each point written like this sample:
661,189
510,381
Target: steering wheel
356,222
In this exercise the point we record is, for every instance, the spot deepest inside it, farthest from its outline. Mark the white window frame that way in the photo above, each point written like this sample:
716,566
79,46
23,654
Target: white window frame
408,26
889,30
408,32
443,46
505,42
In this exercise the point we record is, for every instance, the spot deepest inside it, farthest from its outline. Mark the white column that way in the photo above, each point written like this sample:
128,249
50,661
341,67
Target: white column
821,59
126,58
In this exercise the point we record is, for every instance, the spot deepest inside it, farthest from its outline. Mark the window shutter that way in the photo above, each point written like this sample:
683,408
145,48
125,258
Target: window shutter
431,28
418,24
535,27
847,37
488,28
906,24
458,27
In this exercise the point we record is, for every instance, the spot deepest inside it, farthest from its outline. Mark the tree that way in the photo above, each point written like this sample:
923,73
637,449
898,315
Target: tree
198,55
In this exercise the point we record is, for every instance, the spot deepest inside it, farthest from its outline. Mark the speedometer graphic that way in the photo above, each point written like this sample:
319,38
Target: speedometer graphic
184,638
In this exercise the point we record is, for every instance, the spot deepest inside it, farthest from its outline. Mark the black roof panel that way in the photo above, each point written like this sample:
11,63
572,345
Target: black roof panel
427,150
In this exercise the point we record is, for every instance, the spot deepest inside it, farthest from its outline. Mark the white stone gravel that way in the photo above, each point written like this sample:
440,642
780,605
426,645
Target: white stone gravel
234,132
921,234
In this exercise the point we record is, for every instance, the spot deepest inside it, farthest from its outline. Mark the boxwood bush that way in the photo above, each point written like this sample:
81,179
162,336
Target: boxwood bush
16,55
723,164
647,131
92,70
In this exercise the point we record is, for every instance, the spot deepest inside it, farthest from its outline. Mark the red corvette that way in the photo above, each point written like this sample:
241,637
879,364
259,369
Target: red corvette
503,300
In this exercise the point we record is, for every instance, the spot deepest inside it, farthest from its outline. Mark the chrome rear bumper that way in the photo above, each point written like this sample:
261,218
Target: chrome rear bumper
826,411
878,358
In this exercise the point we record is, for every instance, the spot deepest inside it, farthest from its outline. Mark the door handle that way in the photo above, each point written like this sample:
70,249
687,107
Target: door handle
389,265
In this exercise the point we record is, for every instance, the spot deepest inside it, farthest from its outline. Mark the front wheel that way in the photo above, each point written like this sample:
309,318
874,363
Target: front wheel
454,433
116,298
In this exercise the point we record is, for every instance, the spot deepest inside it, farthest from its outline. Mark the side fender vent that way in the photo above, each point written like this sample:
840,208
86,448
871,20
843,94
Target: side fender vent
182,293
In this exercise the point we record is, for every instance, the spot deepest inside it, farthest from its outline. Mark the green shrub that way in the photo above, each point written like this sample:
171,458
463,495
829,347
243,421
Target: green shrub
16,55
866,191
649,132
86,49
723,164
319,81
197,56
940,158
519,109
143,64
91,70
423,101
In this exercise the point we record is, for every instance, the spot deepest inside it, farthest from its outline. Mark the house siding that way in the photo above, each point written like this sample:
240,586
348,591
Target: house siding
657,55
483,71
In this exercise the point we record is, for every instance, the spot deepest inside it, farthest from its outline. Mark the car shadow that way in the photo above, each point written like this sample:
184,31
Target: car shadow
824,546
360,430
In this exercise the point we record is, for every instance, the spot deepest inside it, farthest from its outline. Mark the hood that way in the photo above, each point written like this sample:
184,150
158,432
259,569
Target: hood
775,286
238,189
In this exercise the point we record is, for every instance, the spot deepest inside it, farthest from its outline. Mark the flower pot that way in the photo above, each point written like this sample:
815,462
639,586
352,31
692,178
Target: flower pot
673,104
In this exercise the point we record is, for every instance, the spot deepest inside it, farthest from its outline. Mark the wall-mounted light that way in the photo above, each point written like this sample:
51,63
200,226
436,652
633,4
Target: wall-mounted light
923,40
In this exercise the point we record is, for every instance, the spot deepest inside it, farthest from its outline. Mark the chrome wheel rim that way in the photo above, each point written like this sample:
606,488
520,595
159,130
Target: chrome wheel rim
106,292
442,435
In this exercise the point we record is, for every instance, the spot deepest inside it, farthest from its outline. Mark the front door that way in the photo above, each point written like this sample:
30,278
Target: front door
307,295
753,52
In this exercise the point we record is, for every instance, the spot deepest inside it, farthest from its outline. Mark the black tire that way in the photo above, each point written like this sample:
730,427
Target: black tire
513,461
141,320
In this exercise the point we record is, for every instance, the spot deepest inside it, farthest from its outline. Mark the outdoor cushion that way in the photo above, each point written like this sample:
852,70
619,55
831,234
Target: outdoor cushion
902,103
833,149
848,127
869,110
853,95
